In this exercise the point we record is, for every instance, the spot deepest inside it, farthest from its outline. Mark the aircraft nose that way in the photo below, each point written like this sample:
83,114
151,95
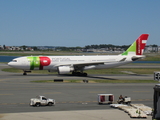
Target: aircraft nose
9,64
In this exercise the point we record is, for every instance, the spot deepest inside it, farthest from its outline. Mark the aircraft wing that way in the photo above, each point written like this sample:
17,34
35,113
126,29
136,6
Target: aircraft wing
82,64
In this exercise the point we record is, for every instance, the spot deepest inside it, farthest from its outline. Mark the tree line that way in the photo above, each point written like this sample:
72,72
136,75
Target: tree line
51,48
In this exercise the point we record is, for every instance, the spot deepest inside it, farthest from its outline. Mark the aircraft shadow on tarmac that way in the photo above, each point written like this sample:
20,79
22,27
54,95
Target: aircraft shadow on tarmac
88,77
137,75
78,77
64,75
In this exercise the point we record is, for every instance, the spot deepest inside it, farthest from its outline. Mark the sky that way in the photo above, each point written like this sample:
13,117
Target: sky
73,23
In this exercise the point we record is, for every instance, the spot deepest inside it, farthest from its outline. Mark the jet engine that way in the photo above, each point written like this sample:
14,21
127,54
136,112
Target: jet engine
65,69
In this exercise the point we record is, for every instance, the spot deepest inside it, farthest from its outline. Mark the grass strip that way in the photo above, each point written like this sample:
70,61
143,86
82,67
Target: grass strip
98,81
33,71
99,71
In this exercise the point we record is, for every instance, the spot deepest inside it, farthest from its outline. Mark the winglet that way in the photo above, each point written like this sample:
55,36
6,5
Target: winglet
138,46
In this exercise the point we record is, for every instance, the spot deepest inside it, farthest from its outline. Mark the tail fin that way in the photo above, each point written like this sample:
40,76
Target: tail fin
138,46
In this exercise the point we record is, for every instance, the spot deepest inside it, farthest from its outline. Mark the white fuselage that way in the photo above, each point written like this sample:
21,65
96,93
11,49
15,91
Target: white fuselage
77,64
86,62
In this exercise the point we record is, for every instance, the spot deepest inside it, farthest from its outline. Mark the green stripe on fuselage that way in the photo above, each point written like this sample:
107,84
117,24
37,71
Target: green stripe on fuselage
34,62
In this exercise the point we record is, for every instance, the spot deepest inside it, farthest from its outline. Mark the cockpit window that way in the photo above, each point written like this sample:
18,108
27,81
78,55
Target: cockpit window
14,60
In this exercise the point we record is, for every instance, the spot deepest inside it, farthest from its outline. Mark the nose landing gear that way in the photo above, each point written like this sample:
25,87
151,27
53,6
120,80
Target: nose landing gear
25,72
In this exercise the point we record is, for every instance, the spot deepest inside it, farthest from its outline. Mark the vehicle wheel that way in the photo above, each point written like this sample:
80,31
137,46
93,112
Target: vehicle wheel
50,104
37,104
120,102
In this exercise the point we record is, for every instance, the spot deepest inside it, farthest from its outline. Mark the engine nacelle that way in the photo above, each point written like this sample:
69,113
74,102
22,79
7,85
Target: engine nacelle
65,69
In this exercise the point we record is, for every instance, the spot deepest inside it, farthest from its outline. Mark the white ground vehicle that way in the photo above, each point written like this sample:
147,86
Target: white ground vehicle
42,100
126,100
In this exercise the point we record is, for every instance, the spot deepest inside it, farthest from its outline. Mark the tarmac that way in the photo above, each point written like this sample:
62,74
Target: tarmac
22,85
113,114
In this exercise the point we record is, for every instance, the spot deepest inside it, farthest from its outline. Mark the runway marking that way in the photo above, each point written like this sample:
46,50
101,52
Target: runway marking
84,103
141,91
147,99
97,92
53,93
72,102
4,103
22,103
13,103
143,100
6,94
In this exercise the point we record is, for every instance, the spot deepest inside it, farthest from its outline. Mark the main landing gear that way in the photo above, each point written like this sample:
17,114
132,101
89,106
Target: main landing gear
79,74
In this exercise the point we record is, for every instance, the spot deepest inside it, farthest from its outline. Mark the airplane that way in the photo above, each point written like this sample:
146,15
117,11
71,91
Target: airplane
77,64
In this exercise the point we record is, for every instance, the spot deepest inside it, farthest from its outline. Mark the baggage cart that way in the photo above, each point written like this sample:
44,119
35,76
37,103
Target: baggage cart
105,98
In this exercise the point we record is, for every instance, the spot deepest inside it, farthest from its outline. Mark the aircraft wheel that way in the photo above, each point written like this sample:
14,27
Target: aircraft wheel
24,73
84,74
79,74
74,73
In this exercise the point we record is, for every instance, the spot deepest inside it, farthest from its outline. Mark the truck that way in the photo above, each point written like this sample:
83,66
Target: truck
41,101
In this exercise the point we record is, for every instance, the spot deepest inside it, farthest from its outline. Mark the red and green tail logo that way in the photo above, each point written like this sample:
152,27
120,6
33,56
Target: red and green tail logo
138,46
